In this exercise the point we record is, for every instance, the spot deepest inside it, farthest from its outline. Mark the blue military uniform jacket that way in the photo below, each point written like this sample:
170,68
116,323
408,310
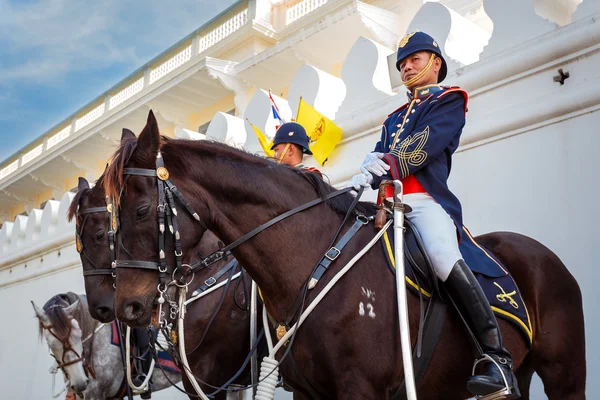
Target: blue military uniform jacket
419,139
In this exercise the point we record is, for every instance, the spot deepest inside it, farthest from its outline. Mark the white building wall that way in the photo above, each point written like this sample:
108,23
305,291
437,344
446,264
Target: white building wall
543,184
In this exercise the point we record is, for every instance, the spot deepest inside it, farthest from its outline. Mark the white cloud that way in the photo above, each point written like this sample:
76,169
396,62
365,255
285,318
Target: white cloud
42,41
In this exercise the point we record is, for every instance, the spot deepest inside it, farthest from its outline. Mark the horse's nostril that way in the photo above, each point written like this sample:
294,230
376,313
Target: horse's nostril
101,310
134,309
134,312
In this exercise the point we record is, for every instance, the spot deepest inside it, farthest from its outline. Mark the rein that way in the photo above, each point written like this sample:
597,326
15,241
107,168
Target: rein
67,346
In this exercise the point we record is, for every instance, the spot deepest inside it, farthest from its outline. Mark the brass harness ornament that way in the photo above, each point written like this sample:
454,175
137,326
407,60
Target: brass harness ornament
162,173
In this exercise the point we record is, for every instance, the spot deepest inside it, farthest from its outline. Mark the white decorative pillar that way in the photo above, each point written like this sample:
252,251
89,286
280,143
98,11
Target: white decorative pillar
64,225
33,227
5,238
461,40
229,129
18,232
559,11
366,75
515,26
259,12
323,91
49,219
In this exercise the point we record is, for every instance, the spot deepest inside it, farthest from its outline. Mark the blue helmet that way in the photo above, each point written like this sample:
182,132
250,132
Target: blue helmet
420,41
292,132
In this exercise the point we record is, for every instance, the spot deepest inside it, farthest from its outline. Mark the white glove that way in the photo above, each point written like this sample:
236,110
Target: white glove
360,180
373,164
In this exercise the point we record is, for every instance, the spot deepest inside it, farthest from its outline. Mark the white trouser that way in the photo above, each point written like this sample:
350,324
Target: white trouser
437,231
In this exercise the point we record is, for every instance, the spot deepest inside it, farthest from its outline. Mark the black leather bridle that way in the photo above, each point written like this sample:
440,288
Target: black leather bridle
112,228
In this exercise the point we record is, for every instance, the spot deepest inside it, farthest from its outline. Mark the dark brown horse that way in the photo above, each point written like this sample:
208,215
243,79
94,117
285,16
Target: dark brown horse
89,207
214,360
340,353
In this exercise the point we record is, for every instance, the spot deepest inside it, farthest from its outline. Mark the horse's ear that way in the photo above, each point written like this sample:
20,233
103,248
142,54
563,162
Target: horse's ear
71,309
149,139
83,184
127,135
41,314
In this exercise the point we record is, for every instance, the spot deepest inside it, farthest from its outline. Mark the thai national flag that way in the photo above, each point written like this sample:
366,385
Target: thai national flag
278,120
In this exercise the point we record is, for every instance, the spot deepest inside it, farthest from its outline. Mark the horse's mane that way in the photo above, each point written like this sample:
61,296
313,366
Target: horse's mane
184,152
227,153
59,319
113,176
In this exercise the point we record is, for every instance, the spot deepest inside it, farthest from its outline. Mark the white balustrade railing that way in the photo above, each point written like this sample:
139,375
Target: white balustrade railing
31,154
222,31
301,8
171,64
59,137
89,117
9,169
126,93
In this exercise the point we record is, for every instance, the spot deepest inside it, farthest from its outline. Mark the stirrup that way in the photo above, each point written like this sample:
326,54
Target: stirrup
503,393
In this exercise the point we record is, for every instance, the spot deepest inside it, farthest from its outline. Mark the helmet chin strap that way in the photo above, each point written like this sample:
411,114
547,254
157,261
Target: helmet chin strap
415,78
283,153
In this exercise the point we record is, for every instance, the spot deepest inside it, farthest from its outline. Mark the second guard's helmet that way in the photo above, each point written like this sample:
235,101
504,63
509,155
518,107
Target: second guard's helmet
292,132
420,41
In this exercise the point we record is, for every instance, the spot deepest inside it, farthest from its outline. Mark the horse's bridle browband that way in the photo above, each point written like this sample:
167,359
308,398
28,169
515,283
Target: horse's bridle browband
111,239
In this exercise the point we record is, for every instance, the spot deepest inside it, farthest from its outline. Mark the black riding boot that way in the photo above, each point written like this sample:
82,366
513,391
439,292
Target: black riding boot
467,293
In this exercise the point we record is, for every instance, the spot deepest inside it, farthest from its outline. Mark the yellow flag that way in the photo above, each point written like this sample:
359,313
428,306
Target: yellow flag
322,132
264,142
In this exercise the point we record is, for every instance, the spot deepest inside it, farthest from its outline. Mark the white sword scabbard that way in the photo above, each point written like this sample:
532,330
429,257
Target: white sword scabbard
253,334
409,375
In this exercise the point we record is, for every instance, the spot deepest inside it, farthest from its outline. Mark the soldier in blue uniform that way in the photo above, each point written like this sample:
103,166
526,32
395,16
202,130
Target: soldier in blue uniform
291,144
416,147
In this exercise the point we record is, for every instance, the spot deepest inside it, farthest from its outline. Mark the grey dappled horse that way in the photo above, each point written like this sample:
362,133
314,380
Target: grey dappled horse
82,347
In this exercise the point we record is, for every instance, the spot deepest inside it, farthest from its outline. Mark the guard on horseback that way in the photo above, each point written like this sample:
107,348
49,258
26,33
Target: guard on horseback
416,145
291,144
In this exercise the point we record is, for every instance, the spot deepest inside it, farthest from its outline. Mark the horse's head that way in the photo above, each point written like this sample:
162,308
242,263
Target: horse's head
145,263
63,334
93,229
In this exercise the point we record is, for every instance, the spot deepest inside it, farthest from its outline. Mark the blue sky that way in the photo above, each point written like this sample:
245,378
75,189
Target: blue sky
57,55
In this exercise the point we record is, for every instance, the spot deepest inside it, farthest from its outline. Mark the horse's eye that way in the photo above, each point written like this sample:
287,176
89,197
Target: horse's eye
100,235
143,211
